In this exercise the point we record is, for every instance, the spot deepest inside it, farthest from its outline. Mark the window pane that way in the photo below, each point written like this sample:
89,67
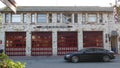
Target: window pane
67,18
33,18
16,18
42,18
58,18
75,18
92,18
6,18
101,18
83,18
25,18
50,18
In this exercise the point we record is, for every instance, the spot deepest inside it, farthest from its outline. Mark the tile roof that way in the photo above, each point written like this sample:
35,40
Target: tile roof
61,8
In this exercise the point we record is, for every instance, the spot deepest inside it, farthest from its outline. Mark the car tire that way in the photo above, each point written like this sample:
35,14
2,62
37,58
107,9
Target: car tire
106,58
75,59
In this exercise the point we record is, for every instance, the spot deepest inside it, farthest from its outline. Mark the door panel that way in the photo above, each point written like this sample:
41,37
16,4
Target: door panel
15,43
92,39
67,42
41,43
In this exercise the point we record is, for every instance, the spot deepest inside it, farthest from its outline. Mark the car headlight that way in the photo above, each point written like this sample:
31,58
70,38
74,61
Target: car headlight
67,55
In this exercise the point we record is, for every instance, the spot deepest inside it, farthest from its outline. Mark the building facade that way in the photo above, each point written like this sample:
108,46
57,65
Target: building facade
47,31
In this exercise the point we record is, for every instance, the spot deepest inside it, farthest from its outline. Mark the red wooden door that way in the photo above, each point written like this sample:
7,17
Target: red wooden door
15,43
92,39
67,42
41,43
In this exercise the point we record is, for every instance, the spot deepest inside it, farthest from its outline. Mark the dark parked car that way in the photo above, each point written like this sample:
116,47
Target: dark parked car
92,54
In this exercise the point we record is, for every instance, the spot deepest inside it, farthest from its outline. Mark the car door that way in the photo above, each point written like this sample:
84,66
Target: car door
88,54
99,53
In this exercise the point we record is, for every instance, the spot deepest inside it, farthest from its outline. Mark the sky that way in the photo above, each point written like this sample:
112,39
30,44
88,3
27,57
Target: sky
105,3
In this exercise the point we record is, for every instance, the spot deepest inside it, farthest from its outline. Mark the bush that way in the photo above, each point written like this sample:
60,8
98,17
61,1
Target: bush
5,62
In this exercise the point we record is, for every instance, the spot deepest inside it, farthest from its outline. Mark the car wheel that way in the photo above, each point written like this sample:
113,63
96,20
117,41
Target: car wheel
106,58
75,59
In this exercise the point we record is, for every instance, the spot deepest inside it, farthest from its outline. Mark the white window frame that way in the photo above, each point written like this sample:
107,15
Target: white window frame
42,18
66,17
24,18
50,17
92,18
58,17
33,18
83,18
7,18
75,18
16,18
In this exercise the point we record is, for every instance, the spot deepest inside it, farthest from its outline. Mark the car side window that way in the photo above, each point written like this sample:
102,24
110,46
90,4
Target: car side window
89,51
100,50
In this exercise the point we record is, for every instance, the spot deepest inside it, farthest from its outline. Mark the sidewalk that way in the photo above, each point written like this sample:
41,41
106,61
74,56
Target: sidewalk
34,57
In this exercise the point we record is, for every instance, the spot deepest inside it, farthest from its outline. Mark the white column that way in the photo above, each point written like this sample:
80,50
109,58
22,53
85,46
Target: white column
98,18
73,18
54,41
35,17
22,17
86,17
2,38
10,18
3,18
28,43
28,18
80,39
105,18
54,18
61,18
80,19
47,15
106,40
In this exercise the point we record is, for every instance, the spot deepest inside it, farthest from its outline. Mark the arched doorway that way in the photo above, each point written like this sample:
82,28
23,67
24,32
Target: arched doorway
114,44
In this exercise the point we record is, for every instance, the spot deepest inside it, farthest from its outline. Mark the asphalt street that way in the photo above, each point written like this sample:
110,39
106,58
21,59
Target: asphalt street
59,62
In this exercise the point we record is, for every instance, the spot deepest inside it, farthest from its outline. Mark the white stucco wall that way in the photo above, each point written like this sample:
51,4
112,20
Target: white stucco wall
107,26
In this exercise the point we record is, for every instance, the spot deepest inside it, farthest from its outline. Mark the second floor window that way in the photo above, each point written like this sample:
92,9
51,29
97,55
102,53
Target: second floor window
50,17
101,18
76,18
83,18
58,17
33,18
67,18
92,18
25,18
6,18
41,18
16,18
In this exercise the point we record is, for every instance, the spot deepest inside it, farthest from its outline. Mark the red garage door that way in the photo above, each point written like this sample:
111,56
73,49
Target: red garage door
15,43
92,39
67,42
41,43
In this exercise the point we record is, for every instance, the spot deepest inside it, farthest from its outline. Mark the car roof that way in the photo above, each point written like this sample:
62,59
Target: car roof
95,48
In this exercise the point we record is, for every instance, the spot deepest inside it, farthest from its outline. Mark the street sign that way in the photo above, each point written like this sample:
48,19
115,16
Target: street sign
11,4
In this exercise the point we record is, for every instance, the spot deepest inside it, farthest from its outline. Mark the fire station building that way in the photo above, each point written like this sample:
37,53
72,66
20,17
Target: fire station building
56,30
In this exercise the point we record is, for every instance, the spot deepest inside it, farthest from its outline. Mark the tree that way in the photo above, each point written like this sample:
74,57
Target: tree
6,62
